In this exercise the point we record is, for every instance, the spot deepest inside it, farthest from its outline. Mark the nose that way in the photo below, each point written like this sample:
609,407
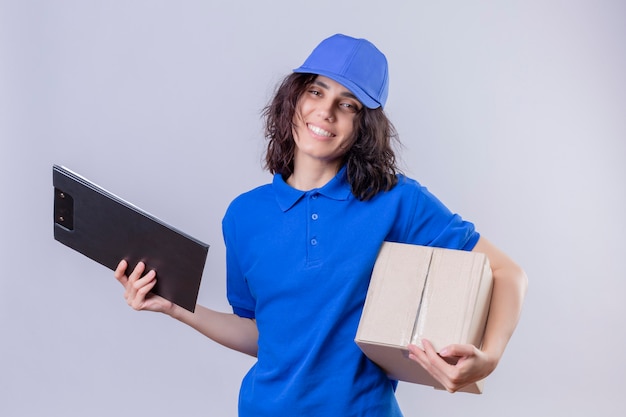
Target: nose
326,112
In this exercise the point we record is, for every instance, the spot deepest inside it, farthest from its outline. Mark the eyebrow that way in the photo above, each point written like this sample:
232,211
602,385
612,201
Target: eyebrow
346,94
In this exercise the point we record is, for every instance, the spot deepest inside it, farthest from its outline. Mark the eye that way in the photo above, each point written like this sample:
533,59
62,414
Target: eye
350,107
315,92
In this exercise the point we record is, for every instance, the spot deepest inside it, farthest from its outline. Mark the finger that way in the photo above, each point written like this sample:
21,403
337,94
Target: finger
135,276
422,357
457,351
137,271
131,282
147,279
418,355
144,280
141,299
120,272
452,376
135,290
438,367
430,351
136,285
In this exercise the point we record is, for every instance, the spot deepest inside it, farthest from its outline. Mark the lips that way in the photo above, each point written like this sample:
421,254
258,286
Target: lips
319,131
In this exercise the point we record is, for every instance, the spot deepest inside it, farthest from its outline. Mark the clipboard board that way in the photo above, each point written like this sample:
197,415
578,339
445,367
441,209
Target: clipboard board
107,229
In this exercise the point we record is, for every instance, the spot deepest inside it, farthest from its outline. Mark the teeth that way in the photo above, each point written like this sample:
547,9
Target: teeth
320,131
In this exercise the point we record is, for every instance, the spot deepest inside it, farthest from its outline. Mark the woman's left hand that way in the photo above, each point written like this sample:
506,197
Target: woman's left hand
455,366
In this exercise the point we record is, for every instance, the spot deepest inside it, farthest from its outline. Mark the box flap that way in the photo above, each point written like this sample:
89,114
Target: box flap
454,299
392,300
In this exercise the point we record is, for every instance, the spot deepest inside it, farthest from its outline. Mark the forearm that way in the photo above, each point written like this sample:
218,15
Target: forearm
509,289
229,330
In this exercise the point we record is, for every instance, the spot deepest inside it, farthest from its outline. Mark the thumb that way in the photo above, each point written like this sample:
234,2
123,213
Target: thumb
456,351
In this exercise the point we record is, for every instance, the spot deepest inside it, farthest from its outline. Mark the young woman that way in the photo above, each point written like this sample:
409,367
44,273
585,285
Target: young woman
300,251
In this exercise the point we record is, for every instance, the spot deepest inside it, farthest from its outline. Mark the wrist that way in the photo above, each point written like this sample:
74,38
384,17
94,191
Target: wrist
492,357
175,311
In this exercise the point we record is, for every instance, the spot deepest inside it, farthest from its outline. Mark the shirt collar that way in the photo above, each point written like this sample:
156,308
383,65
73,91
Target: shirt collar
287,196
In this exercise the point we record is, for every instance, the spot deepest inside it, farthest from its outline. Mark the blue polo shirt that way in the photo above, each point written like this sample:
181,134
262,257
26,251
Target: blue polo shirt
300,264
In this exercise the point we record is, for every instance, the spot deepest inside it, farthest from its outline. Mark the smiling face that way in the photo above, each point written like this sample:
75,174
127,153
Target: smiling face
324,123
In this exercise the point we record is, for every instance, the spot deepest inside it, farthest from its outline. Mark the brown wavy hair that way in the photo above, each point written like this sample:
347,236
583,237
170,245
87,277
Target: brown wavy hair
370,162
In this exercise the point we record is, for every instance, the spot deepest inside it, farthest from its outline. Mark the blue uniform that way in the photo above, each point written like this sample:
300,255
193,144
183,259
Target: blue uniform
300,264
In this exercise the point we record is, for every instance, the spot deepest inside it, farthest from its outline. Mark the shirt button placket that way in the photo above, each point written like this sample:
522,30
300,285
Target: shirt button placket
313,229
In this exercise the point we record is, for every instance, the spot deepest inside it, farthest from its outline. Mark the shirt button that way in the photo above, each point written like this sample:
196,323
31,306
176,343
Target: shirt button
314,216
314,196
313,241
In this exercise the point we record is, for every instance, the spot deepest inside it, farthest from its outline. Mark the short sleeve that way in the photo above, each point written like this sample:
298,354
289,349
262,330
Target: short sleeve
427,221
238,293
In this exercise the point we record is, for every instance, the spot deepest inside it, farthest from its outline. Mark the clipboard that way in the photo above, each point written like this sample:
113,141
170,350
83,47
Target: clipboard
107,229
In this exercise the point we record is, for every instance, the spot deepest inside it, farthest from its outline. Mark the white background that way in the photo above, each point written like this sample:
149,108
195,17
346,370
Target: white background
512,112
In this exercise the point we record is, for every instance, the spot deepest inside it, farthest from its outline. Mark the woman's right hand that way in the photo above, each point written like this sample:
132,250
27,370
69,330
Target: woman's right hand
137,289
227,329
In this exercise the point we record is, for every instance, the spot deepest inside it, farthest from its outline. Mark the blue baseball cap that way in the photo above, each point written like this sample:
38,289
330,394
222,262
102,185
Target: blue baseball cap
354,63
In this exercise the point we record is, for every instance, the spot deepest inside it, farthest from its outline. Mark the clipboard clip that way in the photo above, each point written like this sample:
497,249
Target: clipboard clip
63,209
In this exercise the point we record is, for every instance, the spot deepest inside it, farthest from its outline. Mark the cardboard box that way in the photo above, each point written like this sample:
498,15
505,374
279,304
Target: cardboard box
417,292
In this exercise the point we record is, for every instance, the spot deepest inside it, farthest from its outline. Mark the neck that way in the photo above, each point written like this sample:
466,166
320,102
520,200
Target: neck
308,176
